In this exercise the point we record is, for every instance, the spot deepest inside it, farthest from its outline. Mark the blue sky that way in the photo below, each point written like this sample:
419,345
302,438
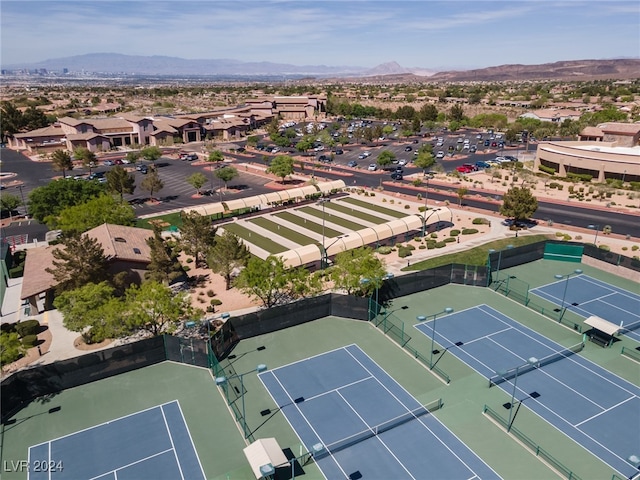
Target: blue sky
420,33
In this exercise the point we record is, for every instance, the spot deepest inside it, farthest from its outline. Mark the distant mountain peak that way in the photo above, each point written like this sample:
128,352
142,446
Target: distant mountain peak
388,68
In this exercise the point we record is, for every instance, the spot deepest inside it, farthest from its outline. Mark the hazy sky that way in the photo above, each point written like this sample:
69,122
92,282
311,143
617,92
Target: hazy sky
418,33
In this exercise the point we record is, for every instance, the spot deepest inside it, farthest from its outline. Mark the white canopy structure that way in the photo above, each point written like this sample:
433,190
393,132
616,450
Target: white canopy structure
264,452
602,325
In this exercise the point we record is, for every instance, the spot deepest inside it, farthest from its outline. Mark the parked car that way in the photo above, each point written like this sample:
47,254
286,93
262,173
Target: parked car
494,144
396,175
463,169
526,223
473,149
352,163
440,154
339,151
143,169
324,159
372,167
108,163
414,141
402,162
481,164
487,143
407,148
470,166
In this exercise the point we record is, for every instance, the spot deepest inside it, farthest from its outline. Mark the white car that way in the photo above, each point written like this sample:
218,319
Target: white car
402,162
440,154
372,167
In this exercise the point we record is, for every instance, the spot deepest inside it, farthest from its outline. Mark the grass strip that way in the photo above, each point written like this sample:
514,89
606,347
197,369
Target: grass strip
283,231
255,238
171,218
367,217
373,206
308,224
349,225
474,256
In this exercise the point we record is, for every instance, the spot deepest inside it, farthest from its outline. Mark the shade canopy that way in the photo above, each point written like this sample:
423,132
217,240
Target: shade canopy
264,451
602,325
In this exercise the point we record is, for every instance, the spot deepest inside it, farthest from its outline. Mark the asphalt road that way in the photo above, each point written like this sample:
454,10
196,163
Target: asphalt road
177,193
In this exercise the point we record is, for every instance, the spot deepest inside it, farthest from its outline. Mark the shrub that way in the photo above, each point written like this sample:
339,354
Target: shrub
186,268
566,237
546,169
440,244
409,246
16,272
407,207
469,231
28,327
634,247
431,246
434,235
605,248
384,250
210,293
422,247
454,233
449,240
404,252
214,302
11,327
481,221
417,239
189,260
559,234
29,340
624,249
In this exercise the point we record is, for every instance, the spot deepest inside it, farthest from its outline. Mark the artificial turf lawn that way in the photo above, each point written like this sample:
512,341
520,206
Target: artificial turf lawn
373,206
255,238
308,224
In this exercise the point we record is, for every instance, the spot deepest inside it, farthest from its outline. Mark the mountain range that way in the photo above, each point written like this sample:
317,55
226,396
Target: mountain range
119,64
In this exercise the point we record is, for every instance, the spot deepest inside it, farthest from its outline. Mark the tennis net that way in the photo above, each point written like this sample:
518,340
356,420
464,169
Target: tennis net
527,367
332,448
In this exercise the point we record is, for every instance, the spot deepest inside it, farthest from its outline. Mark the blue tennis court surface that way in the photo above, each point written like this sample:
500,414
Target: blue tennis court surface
588,296
151,444
591,405
368,425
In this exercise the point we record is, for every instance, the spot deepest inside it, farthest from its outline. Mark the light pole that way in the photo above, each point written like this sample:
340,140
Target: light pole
531,361
222,382
378,283
424,213
321,202
22,196
566,285
325,257
596,228
422,318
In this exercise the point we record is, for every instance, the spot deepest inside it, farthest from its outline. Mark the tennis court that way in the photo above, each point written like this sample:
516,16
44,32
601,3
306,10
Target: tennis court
594,407
153,443
588,296
363,424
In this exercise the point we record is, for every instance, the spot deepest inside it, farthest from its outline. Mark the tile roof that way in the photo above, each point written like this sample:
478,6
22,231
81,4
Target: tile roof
35,278
49,131
622,128
123,243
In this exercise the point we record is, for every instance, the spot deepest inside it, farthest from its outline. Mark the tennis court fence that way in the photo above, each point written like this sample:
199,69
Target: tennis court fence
632,353
527,367
531,445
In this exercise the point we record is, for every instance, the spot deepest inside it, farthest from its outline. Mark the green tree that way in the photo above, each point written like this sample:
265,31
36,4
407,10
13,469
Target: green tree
10,120
94,212
152,183
226,174
281,166
197,181
425,160
154,308
61,162
518,203
9,203
228,254
428,112
457,113
92,311
151,154
197,235
33,118
86,156
461,192
352,266
253,140
11,348
269,281
305,144
385,158
119,181
132,156
164,266
57,195
79,261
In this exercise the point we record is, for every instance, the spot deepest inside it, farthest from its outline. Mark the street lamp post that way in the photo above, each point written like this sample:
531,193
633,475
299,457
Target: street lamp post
530,361
566,285
22,196
325,256
377,284
222,381
422,318
321,202
424,213
596,228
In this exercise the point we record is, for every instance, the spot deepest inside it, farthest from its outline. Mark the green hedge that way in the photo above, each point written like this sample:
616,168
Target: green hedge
28,327
481,221
29,341
469,231
11,327
545,169
454,233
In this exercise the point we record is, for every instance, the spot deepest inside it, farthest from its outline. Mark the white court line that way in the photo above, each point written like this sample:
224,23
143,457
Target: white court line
420,420
193,446
613,288
311,357
173,446
604,411
306,420
377,437
337,389
621,309
132,463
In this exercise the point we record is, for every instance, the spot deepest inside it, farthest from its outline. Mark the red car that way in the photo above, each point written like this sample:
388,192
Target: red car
463,169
